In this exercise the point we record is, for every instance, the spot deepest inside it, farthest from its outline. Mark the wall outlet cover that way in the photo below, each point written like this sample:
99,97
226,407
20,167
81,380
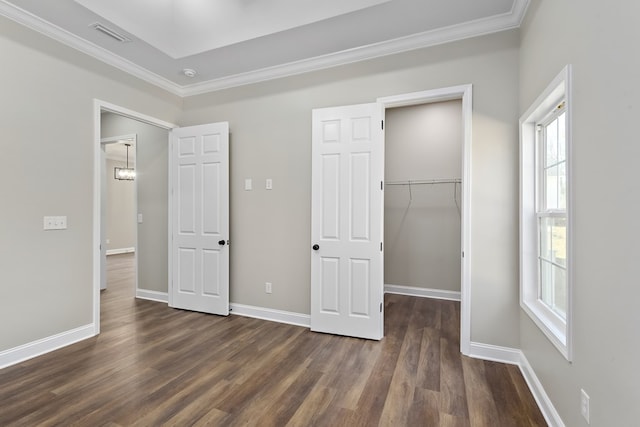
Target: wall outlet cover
584,405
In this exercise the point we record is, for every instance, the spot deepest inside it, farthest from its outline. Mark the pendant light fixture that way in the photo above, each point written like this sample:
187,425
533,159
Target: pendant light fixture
125,174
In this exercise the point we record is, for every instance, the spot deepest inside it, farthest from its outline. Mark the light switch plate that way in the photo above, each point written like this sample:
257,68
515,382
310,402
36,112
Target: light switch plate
269,184
248,184
55,223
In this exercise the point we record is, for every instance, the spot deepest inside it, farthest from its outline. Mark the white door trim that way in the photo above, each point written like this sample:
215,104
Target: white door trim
463,92
98,107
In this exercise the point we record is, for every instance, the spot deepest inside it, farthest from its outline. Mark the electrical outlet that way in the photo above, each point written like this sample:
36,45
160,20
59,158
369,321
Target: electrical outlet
584,405
267,287
268,184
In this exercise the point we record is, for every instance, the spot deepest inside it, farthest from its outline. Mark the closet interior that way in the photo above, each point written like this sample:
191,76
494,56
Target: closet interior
423,196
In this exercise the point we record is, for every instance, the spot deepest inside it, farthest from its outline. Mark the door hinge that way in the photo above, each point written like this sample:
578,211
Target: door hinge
380,246
382,124
462,254
380,307
381,185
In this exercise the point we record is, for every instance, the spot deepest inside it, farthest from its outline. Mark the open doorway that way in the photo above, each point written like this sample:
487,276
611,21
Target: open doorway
152,199
445,194
119,203
150,217
422,215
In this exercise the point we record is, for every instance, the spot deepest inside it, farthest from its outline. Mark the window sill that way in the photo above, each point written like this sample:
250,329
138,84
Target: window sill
541,317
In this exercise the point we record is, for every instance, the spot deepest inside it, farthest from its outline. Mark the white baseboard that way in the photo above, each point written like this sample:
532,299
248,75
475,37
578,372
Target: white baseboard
152,295
273,315
422,292
120,251
33,349
514,356
495,353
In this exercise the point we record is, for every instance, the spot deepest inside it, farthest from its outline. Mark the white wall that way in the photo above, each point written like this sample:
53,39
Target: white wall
422,222
270,125
46,117
121,203
152,164
601,42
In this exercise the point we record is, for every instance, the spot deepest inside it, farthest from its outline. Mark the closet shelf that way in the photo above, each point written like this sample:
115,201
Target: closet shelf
425,181
412,182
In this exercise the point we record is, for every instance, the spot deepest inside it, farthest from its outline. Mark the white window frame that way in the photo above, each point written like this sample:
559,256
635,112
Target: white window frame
557,329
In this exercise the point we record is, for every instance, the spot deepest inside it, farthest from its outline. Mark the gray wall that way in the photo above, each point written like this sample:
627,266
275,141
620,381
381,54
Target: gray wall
422,222
152,180
270,126
120,224
46,117
46,114
601,42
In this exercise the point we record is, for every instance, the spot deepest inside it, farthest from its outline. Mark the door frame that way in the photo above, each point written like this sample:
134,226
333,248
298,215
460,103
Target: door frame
464,93
100,106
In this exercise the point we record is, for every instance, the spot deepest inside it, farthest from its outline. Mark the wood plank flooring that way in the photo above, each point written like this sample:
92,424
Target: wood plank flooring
153,365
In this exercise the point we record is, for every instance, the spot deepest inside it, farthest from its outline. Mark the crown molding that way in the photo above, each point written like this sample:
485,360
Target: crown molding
519,10
63,36
480,27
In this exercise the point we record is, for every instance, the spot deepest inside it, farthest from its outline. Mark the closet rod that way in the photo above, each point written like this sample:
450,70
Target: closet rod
425,181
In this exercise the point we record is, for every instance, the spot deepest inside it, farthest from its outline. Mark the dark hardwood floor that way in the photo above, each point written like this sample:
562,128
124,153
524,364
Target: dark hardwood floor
153,365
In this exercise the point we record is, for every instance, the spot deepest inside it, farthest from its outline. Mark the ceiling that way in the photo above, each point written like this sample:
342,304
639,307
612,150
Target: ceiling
118,151
229,43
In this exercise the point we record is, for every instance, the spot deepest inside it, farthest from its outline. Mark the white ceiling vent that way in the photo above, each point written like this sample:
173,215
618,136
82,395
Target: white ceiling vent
109,32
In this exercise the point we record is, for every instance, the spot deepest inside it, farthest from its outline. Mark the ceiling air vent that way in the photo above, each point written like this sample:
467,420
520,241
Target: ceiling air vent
109,32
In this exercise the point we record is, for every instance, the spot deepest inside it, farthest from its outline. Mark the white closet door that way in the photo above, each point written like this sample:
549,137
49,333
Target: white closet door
200,218
347,210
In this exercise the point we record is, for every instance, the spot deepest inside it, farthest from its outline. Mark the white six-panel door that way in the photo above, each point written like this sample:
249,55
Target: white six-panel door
346,220
200,218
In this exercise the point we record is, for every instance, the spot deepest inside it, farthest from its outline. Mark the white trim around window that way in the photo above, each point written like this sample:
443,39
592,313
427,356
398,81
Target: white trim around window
556,328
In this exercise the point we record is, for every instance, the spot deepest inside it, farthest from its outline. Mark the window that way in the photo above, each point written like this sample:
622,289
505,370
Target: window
545,208
551,169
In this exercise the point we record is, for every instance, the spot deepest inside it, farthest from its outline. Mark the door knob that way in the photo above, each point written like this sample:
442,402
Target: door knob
221,242
316,247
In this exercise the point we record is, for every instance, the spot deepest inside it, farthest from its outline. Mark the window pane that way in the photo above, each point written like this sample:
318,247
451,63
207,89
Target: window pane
562,186
559,240
562,137
546,283
551,146
553,288
546,251
551,187
560,291
553,240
